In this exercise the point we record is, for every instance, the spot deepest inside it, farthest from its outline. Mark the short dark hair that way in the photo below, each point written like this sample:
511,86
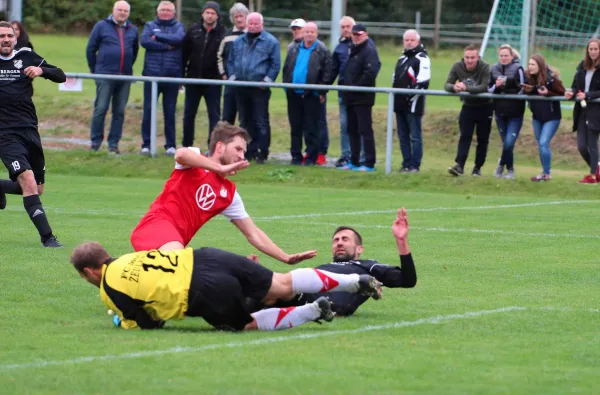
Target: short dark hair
91,255
7,24
357,235
471,47
224,132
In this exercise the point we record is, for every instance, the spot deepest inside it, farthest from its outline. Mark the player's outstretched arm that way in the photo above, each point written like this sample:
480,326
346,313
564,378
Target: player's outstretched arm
400,230
263,243
187,157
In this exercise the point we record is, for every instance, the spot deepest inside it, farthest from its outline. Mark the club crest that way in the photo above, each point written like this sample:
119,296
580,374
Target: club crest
18,63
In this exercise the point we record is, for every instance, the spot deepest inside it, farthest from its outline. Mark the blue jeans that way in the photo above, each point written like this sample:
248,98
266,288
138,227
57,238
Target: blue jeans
411,141
169,104
193,95
118,93
344,138
509,132
323,129
253,107
544,131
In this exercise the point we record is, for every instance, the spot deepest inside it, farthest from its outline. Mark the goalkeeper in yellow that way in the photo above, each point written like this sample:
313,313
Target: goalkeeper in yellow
147,288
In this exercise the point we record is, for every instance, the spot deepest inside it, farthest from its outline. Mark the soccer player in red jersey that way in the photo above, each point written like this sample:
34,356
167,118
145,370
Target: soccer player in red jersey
198,190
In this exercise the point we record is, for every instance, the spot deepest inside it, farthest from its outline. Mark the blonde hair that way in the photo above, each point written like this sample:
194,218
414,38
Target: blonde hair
514,53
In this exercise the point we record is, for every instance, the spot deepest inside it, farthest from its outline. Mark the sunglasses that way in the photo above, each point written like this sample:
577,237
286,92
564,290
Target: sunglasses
9,35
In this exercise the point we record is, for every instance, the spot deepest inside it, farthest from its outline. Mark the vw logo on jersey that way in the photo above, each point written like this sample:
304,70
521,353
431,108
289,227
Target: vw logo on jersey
18,63
205,197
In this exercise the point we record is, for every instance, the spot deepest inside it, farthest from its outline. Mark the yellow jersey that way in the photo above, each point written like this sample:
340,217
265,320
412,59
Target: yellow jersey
147,288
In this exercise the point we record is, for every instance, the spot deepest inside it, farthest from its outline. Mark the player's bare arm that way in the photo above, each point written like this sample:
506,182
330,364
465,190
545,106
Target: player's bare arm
400,230
263,243
187,157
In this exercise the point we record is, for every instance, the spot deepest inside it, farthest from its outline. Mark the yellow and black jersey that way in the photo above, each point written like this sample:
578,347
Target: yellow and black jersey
148,287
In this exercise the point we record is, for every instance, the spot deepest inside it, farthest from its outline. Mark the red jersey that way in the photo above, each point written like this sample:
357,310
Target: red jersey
190,198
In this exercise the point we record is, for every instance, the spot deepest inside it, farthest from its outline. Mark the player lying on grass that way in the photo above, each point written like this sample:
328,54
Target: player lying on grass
347,248
198,190
145,289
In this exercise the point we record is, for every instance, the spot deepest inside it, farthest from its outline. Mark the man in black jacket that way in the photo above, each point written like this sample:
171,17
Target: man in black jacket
200,47
413,71
307,62
361,70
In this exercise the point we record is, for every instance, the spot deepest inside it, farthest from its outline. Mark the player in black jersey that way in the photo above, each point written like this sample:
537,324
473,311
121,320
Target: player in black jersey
347,248
20,144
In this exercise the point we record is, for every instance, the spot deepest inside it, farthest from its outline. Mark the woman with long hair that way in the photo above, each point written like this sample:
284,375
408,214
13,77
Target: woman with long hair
22,36
586,116
506,77
543,80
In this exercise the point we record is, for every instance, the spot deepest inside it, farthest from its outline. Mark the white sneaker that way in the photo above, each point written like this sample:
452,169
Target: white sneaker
145,152
170,151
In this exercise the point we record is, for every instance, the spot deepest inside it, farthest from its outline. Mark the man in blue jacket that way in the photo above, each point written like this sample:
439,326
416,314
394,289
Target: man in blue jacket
162,39
112,49
255,57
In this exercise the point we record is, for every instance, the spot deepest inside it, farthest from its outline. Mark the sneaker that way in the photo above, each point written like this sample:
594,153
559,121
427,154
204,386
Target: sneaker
170,151
510,175
321,160
413,170
304,157
405,170
476,172
309,162
324,306
342,161
145,151
499,171
369,286
114,151
261,160
456,170
94,148
541,177
296,162
364,168
589,179
51,242
348,166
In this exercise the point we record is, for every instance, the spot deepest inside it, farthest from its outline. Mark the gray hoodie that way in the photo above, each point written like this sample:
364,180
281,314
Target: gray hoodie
476,80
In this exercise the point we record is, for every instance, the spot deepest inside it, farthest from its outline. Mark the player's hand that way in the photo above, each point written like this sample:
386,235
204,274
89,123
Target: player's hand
33,71
254,258
301,256
400,226
230,170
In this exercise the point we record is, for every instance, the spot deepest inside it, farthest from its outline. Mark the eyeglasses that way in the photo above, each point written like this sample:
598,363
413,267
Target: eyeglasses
9,35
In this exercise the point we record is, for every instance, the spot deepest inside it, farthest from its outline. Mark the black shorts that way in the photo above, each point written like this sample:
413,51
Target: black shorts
221,282
21,150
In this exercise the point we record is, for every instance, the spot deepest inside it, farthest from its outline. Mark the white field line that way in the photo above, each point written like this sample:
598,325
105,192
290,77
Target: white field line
135,213
268,340
463,230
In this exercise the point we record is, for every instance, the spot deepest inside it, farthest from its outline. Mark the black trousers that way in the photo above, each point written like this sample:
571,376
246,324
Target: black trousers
360,124
471,119
587,142
303,114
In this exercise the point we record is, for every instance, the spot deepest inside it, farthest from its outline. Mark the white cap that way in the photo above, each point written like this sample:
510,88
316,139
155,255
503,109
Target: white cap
298,23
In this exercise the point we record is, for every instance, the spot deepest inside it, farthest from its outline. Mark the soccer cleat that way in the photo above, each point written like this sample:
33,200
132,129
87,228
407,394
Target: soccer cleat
324,306
499,171
510,175
170,151
476,172
145,151
369,286
51,242
541,178
589,179
321,160
456,170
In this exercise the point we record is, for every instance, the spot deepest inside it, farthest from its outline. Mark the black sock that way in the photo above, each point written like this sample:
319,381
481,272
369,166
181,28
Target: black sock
33,206
10,187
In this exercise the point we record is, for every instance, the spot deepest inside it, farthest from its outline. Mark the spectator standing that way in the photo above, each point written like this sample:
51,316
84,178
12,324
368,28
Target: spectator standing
112,48
200,47
297,26
543,81
471,74
413,71
237,15
361,70
22,36
307,62
586,116
506,78
162,39
255,57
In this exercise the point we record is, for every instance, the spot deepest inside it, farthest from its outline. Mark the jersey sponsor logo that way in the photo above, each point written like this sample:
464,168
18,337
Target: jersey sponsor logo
223,192
205,197
18,63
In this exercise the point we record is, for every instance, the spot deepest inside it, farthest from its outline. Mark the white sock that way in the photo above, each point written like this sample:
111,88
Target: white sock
311,281
289,317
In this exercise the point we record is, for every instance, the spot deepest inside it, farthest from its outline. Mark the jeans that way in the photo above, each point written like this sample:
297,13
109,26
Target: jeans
193,95
509,132
323,129
303,123
118,93
360,124
411,141
253,106
344,138
544,131
472,117
169,92
229,105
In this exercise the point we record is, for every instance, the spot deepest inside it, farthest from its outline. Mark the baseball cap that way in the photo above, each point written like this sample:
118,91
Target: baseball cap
298,23
359,28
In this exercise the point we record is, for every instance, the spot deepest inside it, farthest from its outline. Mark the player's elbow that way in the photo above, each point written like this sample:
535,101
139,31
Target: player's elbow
181,155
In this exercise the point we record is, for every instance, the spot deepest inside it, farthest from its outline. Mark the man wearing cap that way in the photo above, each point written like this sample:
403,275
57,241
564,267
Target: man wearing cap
307,62
200,47
361,70
297,33
255,57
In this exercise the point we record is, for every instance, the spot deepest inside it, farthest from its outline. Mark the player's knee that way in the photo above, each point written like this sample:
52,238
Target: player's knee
27,182
251,326
281,287
172,245
40,189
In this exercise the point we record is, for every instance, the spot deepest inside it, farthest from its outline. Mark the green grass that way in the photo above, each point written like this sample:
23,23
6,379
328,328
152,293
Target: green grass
539,258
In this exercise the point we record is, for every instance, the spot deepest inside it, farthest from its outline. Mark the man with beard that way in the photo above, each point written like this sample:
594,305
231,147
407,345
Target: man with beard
20,144
197,191
347,248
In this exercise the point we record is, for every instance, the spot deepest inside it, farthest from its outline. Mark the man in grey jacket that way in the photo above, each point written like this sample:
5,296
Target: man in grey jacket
471,74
